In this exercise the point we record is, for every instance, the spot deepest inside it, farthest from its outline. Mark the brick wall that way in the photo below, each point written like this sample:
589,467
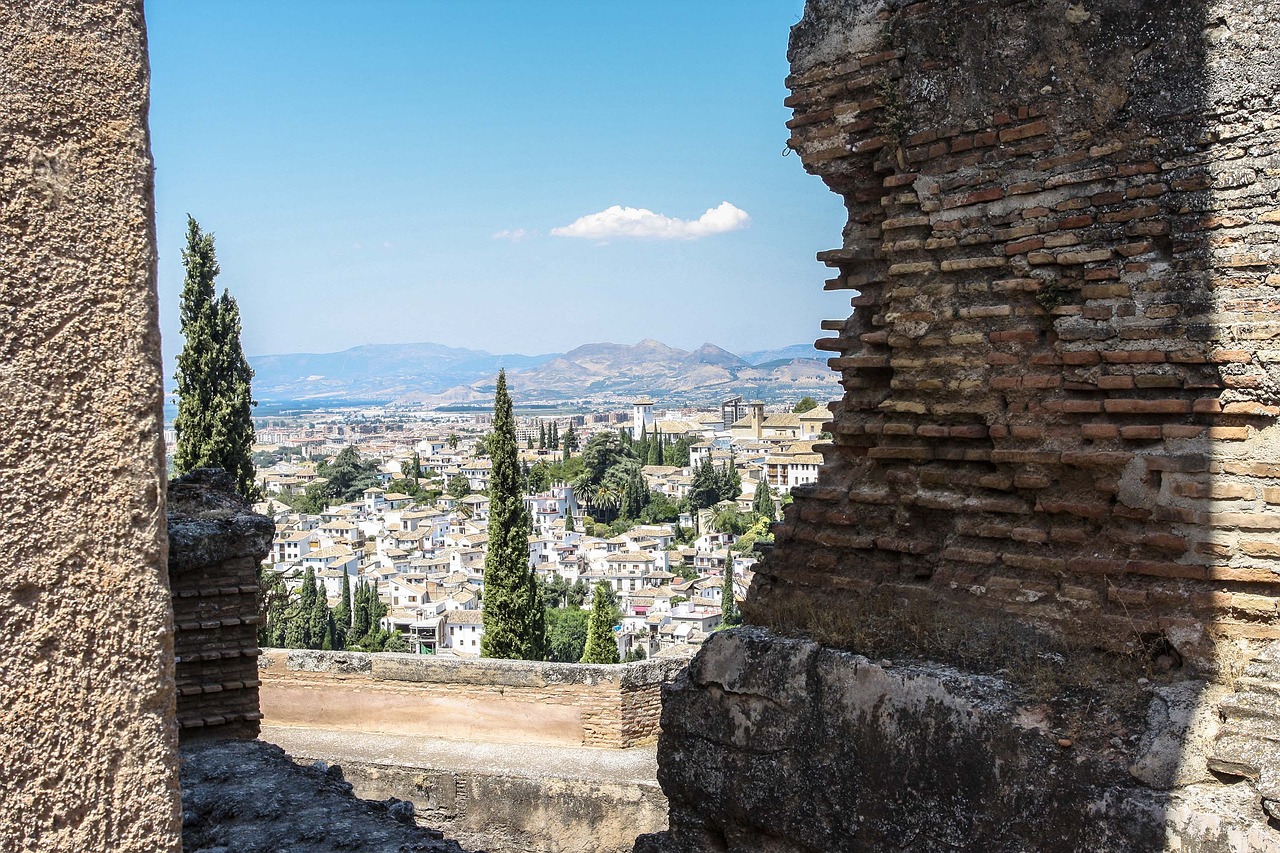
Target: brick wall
1062,370
495,700
215,547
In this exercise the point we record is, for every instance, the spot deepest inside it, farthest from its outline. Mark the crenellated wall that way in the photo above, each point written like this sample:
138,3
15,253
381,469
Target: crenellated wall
1062,370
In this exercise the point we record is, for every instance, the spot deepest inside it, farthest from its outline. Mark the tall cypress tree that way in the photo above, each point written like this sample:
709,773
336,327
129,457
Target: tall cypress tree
318,620
215,398
655,450
196,363
359,614
233,429
762,503
342,614
729,614
514,622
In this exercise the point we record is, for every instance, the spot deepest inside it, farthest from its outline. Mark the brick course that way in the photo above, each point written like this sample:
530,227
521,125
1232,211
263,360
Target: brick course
1061,373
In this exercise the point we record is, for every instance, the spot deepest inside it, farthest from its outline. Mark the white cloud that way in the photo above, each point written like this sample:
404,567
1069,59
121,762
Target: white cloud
515,235
618,221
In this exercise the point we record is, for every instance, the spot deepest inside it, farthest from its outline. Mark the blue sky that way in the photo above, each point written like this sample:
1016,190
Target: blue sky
385,172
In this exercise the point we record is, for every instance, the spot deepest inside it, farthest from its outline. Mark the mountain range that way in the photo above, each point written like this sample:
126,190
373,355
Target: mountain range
436,375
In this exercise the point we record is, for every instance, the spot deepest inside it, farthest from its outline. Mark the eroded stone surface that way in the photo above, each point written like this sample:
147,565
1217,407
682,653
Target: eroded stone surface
773,744
247,796
88,749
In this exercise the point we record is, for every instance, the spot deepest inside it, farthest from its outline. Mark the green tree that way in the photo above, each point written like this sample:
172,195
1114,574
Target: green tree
396,642
214,381
704,490
578,593
514,619
276,605
566,634
806,404
655,450
348,475
729,615
568,523
570,441
342,614
601,646
677,453
539,478
320,628
762,504
459,486
359,614
733,521
659,509
542,436
453,441
411,469
728,481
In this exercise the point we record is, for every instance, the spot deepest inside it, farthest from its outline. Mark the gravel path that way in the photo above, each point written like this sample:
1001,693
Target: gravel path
637,764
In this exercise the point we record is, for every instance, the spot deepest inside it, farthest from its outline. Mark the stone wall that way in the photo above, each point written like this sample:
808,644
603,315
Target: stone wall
774,745
495,700
216,543
1062,370
1048,517
89,749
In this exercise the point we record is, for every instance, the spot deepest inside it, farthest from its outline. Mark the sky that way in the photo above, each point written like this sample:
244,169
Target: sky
505,175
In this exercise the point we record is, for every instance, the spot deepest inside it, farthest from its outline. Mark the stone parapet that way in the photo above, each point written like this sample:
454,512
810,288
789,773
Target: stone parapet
523,701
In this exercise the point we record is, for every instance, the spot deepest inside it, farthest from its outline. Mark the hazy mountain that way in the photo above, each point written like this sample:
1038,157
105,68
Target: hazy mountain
794,351
378,371
432,374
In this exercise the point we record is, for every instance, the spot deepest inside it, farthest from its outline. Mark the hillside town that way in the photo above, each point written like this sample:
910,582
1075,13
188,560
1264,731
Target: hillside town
413,528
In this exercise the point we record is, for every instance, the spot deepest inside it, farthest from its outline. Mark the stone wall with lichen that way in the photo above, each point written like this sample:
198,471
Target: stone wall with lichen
88,754
1062,370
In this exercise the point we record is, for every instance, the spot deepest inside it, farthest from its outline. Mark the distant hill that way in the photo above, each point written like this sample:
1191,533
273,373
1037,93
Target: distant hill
794,351
378,371
433,374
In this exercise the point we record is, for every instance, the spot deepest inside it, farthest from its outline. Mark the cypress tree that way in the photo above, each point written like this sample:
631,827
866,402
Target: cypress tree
215,396
729,615
359,614
233,430
342,614
655,452
196,363
376,608
762,504
306,609
514,622
542,436
319,620
601,647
